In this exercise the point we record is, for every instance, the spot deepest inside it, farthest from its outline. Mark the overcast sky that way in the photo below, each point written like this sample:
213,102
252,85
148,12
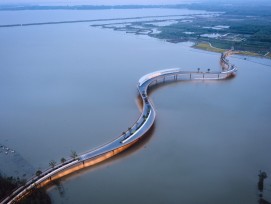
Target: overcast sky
122,2
98,2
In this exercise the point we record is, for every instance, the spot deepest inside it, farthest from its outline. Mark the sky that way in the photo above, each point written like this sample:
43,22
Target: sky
120,2
98,2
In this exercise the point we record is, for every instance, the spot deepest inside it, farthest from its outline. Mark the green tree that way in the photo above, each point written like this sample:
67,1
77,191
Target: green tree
262,175
52,163
38,173
62,160
73,154
23,182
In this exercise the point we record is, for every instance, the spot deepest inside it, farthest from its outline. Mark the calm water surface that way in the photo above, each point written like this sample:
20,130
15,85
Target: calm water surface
73,87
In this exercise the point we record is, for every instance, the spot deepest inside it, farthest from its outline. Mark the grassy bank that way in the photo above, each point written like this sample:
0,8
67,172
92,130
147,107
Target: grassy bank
208,47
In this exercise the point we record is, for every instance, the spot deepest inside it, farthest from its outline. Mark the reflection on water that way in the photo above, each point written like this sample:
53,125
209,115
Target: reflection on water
73,87
111,161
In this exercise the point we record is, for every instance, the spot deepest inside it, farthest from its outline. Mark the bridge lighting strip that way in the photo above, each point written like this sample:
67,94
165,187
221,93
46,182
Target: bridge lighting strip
124,141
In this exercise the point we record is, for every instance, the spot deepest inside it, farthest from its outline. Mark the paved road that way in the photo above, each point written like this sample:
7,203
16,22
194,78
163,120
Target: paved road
130,136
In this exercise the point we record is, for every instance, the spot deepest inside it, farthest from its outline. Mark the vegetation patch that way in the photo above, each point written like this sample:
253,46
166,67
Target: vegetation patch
9,184
208,47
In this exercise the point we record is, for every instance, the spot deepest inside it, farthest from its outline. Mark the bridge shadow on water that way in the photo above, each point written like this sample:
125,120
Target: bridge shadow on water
111,161
229,78
153,82
138,145
134,148
171,82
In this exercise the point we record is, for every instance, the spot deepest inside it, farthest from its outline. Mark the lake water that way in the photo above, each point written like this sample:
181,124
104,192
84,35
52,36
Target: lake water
73,87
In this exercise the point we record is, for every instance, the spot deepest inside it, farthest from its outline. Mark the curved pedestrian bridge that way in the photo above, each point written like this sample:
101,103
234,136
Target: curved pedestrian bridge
130,136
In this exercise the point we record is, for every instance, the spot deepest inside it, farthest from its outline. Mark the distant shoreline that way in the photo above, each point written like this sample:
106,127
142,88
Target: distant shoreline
216,29
20,7
208,47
